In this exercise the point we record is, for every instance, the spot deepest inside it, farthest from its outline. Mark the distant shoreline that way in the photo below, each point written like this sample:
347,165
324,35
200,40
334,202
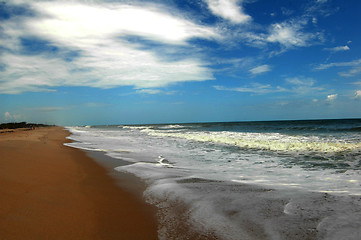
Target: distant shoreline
16,125
20,126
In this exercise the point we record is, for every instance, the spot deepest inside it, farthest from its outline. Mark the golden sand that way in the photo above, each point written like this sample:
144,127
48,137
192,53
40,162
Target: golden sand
50,191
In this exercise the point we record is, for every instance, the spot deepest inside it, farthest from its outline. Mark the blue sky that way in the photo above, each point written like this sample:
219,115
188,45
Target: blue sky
123,62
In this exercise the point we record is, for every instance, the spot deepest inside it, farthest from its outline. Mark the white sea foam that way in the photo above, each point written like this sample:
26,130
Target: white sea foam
264,141
204,170
75,145
164,162
135,127
186,151
165,191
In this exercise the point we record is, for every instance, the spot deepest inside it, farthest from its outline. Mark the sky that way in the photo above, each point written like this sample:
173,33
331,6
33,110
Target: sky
90,62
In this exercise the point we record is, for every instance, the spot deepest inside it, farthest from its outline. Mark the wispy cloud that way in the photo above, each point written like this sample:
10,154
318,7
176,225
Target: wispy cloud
149,91
97,105
352,72
290,34
253,88
48,108
296,85
338,49
297,31
331,98
354,67
260,69
228,9
356,83
339,64
357,95
301,81
11,117
303,86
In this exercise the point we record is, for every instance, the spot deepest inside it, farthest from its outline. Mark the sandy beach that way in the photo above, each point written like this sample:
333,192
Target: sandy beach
51,191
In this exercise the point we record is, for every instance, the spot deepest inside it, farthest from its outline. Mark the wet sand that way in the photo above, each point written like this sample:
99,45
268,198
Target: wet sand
50,191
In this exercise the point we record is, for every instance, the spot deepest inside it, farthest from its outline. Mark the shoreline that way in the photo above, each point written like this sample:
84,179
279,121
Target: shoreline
126,181
51,191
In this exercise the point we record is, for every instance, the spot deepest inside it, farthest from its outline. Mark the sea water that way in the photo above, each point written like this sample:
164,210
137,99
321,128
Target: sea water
208,167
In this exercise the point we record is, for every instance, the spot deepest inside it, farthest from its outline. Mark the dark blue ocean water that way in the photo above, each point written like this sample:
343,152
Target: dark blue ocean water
323,126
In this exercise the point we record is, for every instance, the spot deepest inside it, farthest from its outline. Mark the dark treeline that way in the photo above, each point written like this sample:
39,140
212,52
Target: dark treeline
21,125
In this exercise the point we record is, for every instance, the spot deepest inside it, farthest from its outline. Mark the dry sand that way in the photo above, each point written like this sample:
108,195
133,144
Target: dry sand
50,191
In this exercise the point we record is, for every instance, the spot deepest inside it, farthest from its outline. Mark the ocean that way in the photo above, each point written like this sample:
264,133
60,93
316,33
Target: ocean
242,180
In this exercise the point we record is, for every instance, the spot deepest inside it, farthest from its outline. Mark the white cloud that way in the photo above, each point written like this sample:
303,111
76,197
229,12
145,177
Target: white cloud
70,21
338,49
254,39
154,91
303,86
254,88
260,69
95,30
297,86
352,72
101,69
228,9
332,97
289,34
357,82
339,64
7,115
11,117
47,109
286,11
32,73
357,95
354,67
301,81
96,105
149,91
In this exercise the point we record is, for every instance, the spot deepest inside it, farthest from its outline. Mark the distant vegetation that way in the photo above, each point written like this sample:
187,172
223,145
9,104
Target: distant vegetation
21,125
